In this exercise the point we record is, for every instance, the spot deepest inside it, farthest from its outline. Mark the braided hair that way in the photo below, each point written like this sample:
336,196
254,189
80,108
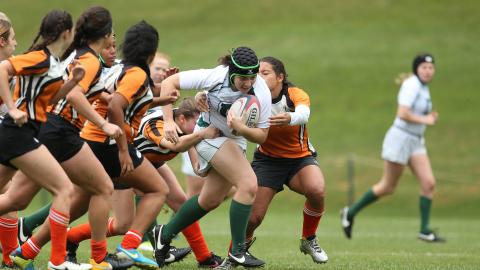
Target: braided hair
140,45
93,24
52,26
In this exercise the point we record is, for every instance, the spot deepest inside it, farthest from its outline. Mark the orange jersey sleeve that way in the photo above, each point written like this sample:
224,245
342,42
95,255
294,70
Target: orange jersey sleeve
35,62
132,84
298,96
153,131
92,70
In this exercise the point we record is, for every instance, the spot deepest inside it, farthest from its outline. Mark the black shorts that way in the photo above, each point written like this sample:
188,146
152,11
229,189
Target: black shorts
16,141
107,154
276,172
60,137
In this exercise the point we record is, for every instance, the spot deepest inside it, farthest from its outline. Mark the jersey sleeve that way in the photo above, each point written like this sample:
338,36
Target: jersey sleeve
408,93
298,96
92,67
202,79
131,84
153,131
35,62
265,98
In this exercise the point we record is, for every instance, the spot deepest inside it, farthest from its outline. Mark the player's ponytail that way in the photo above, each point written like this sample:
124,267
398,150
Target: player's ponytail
52,26
93,24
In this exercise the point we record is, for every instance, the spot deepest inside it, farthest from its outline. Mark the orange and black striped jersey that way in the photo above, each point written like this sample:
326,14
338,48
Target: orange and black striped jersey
288,141
133,84
149,137
89,60
39,76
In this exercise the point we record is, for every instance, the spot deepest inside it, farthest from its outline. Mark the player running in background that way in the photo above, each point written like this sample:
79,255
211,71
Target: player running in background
404,144
288,158
223,158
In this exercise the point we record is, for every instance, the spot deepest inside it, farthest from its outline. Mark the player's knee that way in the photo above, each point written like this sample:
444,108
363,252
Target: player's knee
428,186
18,205
210,203
317,193
121,227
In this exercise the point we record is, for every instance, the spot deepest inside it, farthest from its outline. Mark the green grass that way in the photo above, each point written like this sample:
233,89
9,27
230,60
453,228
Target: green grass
379,241
346,54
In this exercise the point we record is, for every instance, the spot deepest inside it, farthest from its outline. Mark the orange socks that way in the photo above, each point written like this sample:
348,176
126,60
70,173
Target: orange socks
195,239
8,237
30,249
58,231
99,250
132,239
311,218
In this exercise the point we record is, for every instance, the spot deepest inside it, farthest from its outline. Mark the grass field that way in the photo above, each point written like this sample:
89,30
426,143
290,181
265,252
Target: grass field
346,54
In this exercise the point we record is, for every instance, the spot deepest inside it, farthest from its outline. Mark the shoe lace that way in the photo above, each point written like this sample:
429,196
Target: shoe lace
314,244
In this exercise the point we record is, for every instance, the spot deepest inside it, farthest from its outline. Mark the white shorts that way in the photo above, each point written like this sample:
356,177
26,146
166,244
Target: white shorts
206,149
399,146
187,168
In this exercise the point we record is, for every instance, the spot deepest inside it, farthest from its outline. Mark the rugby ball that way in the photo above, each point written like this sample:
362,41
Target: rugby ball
248,108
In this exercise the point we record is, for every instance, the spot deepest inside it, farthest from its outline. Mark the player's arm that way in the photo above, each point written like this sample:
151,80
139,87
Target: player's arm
187,141
255,135
18,116
170,87
116,108
405,113
78,72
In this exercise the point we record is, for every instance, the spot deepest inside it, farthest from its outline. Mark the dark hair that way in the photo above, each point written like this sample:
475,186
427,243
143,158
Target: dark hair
421,58
278,68
5,29
141,42
93,24
52,26
186,108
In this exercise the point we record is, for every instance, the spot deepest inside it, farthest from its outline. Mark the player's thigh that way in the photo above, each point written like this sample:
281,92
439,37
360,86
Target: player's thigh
40,166
86,171
230,162
6,174
308,179
214,190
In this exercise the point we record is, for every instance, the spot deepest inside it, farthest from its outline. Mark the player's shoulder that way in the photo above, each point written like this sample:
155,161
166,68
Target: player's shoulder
412,83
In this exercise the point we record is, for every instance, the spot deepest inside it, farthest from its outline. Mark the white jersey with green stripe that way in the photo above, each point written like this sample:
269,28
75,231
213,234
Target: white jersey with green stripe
220,97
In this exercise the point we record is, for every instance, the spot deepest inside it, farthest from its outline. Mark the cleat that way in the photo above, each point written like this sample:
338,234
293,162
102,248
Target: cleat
71,252
244,258
312,248
111,261
431,237
225,265
20,262
161,246
136,257
211,262
100,266
177,254
347,223
22,234
146,246
66,265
